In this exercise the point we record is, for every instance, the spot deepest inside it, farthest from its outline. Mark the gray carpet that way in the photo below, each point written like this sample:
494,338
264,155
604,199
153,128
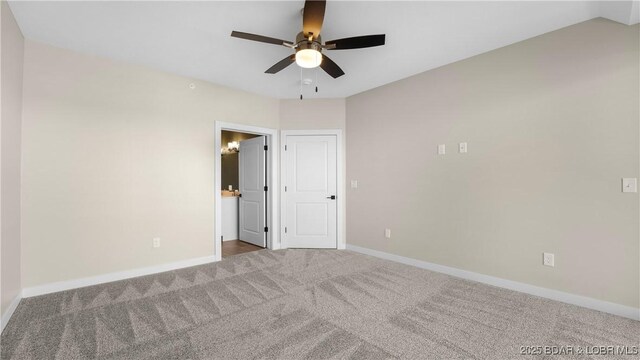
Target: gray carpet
301,304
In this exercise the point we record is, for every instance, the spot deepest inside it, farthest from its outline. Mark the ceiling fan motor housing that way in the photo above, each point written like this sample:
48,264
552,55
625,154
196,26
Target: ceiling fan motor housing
303,43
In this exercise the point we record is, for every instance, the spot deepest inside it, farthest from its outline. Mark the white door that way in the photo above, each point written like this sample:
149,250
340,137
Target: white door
252,182
310,218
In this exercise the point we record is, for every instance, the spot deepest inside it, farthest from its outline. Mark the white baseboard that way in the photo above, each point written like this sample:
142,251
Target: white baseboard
120,275
590,303
7,314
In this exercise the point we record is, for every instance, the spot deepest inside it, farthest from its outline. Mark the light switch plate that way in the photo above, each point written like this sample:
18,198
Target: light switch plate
630,185
387,233
548,259
441,149
462,147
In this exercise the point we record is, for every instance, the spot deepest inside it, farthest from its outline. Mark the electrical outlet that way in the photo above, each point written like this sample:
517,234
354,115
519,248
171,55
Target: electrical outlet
387,233
548,259
156,242
354,184
442,149
629,185
462,148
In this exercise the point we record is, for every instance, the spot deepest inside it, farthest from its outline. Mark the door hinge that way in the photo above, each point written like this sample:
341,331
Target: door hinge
285,148
266,229
266,188
266,147
285,189
221,238
285,229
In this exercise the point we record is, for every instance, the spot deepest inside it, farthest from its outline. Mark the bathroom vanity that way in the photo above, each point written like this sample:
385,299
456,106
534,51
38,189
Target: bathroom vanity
229,216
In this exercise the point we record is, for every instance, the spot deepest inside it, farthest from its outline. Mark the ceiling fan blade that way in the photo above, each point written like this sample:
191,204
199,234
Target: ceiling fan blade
312,17
280,65
357,42
260,38
330,67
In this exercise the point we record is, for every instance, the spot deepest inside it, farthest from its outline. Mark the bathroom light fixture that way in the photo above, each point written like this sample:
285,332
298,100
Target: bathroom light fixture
233,146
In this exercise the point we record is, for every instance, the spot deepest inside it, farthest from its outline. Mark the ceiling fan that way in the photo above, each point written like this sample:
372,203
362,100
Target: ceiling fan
308,45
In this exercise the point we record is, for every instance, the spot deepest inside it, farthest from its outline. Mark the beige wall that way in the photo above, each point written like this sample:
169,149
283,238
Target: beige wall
114,155
11,113
312,114
552,126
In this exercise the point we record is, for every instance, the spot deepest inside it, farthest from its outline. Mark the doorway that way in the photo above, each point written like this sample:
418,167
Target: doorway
245,189
243,192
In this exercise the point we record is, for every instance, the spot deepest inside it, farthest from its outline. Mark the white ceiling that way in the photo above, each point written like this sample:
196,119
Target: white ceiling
192,38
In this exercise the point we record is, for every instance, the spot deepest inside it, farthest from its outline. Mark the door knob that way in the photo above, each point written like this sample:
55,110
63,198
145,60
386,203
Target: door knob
332,197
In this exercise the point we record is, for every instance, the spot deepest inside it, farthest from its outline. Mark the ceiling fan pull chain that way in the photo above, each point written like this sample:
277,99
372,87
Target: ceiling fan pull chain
316,80
300,83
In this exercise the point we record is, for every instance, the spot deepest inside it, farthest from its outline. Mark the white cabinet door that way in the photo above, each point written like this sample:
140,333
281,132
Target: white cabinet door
311,187
229,218
252,181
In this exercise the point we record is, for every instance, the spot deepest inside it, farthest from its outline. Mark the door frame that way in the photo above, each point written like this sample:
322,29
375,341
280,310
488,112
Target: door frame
340,162
273,238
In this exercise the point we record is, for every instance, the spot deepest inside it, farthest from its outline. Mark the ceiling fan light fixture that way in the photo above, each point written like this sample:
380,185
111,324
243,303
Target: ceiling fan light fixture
308,58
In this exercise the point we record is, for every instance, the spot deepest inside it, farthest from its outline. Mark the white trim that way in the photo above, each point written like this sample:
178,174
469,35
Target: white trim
590,303
115,276
341,243
273,240
12,308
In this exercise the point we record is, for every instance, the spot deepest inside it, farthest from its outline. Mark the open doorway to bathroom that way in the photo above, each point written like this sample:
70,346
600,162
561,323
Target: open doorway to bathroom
262,143
243,162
